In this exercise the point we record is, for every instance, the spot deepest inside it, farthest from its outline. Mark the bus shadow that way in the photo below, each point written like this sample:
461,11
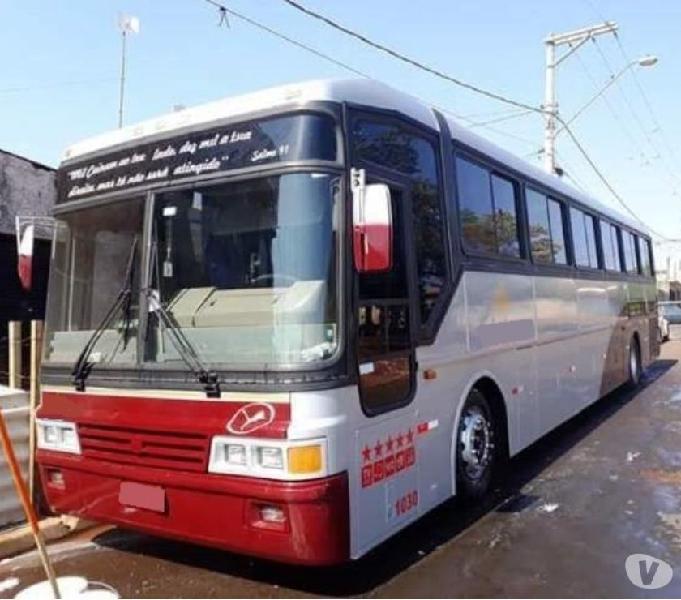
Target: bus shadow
412,544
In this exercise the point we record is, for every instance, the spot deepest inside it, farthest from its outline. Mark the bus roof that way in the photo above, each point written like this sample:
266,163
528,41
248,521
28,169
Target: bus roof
359,91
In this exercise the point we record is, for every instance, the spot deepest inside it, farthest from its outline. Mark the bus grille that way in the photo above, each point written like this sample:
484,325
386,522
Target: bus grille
167,450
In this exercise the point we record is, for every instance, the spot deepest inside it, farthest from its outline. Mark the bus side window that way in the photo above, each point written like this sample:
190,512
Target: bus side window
584,239
384,338
629,247
611,246
644,254
396,147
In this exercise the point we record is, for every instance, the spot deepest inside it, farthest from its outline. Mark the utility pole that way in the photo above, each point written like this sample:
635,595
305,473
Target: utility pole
127,25
574,39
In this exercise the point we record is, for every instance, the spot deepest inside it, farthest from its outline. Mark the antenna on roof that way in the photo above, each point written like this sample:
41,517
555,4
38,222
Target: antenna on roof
127,24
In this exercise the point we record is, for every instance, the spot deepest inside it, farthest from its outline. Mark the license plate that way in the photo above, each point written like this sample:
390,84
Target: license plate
139,495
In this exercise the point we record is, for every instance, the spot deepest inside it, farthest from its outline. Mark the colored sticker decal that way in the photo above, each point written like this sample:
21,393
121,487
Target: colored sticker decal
386,458
250,418
427,426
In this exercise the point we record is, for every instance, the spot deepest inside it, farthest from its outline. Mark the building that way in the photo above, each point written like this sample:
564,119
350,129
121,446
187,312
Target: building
26,188
668,272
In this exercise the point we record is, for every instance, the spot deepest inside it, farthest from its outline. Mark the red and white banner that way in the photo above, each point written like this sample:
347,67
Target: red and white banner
25,260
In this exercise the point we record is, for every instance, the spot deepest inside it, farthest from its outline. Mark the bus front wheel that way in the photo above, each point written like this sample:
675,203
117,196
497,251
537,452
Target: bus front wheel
476,452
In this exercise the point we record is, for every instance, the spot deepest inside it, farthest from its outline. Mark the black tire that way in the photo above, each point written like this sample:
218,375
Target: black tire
475,445
634,364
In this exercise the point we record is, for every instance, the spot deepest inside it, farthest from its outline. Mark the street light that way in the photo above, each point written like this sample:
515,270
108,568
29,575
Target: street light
647,61
643,62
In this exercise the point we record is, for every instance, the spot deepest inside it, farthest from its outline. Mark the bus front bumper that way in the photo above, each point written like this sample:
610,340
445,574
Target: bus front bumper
303,522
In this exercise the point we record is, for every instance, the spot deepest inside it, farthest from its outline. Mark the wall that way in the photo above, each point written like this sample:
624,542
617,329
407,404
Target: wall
15,411
27,188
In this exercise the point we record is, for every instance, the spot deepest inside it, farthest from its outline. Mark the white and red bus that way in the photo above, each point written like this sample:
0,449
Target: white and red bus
289,323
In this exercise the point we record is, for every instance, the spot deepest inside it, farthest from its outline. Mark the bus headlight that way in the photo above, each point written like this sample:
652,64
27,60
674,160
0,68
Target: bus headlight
272,459
59,436
268,457
236,454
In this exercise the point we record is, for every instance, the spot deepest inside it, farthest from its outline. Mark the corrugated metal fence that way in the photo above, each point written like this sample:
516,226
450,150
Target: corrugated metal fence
15,409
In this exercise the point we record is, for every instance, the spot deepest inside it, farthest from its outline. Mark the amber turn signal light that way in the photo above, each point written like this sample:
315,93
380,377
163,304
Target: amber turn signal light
305,459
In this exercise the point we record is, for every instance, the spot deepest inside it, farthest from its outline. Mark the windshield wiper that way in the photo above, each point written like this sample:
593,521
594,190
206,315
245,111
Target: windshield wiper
184,347
83,366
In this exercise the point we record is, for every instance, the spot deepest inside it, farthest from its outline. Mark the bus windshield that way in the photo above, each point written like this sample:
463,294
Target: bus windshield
91,253
247,270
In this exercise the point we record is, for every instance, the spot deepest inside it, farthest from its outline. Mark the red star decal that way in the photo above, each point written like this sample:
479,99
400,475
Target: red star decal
378,449
400,440
366,454
389,443
410,437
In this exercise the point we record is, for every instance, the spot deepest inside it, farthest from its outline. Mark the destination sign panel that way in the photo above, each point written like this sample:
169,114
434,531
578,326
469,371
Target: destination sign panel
235,146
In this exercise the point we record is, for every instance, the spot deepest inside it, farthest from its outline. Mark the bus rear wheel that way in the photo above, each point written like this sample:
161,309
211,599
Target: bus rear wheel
635,368
476,451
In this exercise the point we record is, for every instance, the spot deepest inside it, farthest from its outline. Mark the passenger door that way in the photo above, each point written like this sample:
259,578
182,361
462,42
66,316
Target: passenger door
384,328
387,493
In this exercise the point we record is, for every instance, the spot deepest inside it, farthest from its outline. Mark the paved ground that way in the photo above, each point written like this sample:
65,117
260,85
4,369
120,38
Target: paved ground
605,485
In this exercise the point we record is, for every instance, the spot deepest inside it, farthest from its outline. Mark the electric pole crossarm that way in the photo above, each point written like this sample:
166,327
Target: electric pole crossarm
571,37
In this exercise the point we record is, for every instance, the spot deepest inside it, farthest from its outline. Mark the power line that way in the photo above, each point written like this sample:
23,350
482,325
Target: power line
433,71
476,89
592,5
224,9
646,102
501,119
625,129
57,84
413,62
493,113
657,153
470,122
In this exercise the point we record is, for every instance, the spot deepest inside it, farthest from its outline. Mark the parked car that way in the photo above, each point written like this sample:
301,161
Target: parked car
662,328
670,311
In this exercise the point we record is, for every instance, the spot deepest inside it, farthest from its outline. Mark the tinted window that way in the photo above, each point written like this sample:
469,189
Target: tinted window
475,207
391,146
644,253
538,220
545,219
431,261
579,246
504,194
398,149
629,247
611,253
487,208
606,244
557,232
584,239
591,240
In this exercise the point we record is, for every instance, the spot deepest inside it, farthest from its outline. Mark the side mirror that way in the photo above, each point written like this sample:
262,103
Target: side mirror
372,225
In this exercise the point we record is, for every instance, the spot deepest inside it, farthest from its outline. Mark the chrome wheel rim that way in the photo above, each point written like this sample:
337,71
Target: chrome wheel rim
476,443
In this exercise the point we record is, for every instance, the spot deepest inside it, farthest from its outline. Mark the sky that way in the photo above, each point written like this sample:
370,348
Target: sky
59,77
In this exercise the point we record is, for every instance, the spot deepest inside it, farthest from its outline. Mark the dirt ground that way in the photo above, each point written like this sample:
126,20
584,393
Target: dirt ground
576,504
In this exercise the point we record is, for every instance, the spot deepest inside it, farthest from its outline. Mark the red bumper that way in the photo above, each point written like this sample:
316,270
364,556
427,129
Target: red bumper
214,510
